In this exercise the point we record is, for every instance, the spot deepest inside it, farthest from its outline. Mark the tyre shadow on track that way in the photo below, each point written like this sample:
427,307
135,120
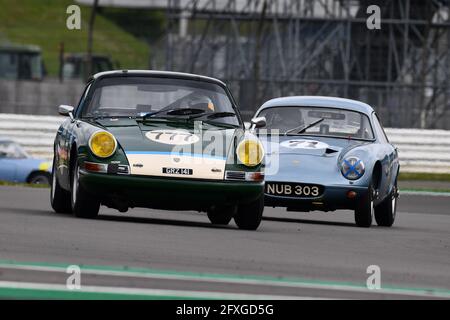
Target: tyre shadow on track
337,223
320,222
40,212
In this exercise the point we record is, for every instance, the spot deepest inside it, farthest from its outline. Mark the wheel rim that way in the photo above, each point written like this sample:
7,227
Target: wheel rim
394,203
372,207
53,184
40,180
75,184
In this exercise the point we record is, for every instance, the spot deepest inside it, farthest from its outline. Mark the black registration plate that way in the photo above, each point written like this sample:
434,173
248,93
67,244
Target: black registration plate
296,190
182,171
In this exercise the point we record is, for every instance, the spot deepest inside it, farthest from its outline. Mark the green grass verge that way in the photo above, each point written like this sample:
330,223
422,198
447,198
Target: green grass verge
43,23
15,184
425,190
424,176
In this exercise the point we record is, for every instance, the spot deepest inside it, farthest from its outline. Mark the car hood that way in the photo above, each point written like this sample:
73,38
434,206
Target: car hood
158,144
305,158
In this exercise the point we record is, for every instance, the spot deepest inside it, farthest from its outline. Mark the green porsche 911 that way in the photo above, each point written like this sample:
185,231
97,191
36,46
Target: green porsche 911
160,140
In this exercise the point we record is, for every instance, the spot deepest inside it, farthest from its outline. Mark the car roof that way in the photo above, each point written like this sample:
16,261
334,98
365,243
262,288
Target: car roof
17,48
318,101
155,73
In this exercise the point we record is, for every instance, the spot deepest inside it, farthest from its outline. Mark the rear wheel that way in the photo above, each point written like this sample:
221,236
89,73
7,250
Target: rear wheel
84,205
365,209
221,214
59,198
385,212
249,216
39,178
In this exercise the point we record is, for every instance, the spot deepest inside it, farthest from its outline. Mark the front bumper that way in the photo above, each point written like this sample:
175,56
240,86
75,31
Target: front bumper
333,198
168,193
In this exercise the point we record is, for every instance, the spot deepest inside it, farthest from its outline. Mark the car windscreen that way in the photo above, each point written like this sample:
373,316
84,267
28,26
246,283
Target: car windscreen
140,96
318,121
11,150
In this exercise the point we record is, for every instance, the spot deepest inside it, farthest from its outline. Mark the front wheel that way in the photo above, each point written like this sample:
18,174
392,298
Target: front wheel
59,198
385,212
249,216
84,205
364,209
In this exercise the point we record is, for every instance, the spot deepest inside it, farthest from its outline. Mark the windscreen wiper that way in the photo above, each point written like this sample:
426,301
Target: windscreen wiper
175,112
301,129
215,115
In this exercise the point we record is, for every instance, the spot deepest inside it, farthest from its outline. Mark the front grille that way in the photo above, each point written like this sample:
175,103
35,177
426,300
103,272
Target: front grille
235,175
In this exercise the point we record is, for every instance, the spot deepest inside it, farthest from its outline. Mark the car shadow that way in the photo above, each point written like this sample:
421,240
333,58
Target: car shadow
161,221
37,212
305,221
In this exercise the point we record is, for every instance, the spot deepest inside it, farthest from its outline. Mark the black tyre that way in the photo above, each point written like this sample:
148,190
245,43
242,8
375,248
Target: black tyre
249,216
221,215
364,209
84,205
385,212
59,198
39,178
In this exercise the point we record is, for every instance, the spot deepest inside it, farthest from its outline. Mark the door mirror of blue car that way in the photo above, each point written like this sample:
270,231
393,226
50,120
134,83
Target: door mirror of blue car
258,122
66,111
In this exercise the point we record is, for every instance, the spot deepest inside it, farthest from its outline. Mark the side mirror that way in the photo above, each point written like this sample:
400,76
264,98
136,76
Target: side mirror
258,122
66,111
247,125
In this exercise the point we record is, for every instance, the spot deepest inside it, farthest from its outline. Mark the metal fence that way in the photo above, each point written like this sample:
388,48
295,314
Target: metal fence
37,97
420,150
272,48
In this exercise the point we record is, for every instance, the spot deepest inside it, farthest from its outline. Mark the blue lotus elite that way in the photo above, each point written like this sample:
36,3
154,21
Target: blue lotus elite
325,153
17,166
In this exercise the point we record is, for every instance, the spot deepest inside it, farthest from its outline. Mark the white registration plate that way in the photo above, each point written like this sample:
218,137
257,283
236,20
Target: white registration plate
300,190
181,171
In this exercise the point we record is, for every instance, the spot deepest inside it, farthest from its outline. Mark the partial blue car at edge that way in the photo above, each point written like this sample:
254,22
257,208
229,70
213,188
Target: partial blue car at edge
17,166
326,153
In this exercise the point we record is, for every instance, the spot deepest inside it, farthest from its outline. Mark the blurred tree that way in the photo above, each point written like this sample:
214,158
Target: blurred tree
147,25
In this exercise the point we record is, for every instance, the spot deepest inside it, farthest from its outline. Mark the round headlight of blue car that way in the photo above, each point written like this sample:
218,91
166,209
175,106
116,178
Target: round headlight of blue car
352,168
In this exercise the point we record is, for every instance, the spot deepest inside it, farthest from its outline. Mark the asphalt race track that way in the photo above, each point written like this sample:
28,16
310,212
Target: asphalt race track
149,253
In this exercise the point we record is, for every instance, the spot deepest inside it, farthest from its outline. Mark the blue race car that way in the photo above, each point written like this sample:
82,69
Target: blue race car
17,166
325,153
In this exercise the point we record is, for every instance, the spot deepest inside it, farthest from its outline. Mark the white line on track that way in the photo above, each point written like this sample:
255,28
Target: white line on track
146,292
430,293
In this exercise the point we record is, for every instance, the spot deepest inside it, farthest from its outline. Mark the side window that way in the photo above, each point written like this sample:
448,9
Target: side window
83,97
379,129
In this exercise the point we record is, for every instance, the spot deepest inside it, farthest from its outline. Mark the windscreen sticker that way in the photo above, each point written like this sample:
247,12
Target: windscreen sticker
173,137
304,144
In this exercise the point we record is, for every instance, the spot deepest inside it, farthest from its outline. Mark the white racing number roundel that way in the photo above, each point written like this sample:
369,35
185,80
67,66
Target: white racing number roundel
174,137
304,144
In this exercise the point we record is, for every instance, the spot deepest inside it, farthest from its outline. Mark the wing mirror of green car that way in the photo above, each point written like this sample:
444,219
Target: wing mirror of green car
66,111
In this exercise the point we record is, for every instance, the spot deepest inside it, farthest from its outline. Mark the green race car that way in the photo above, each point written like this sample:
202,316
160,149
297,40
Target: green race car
160,140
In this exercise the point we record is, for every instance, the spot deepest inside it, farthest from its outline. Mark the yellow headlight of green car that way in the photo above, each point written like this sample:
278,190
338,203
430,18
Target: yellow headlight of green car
102,144
250,152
